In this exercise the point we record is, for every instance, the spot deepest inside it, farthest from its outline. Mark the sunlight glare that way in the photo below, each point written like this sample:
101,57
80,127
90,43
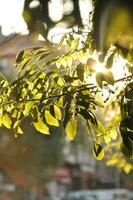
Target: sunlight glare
11,18
55,10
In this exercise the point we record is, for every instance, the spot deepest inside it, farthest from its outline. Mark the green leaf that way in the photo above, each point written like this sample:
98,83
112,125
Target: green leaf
6,120
0,121
57,111
15,113
16,128
113,134
35,113
64,62
28,107
88,115
75,43
20,131
71,128
60,81
17,123
98,152
50,119
100,127
37,96
107,138
69,60
19,56
80,71
62,40
41,127
98,103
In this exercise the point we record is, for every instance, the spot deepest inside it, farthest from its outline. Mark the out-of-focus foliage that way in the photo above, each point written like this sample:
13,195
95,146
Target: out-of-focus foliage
36,14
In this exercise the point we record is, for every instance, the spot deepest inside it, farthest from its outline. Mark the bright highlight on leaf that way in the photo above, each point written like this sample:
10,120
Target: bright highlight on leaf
113,134
57,111
41,127
107,138
71,128
28,107
6,120
98,152
50,119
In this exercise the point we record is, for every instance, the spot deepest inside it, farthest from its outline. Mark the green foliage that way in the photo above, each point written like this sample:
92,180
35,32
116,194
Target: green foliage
98,152
54,88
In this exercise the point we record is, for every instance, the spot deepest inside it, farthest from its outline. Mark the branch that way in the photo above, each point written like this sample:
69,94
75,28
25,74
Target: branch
73,92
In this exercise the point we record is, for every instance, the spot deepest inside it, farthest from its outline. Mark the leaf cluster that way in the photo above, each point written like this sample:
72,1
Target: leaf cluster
54,87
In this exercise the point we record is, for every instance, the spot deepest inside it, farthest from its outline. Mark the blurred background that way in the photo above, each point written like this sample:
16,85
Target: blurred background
35,166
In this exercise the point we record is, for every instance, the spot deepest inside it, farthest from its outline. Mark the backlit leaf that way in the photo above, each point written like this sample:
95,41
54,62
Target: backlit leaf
6,120
28,107
41,127
50,119
57,112
14,114
107,138
98,152
98,103
61,40
100,127
60,81
20,131
71,128
75,43
19,56
113,134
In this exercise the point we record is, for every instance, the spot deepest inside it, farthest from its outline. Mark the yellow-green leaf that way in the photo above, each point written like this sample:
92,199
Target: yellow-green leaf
60,81
100,127
6,120
60,102
98,152
107,138
20,131
127,168
17,128
24,93
28,107
50,119
113,134
75,43
41,127
69,60
57,111
71,128
14,114
61,40
0,121
37,96
16,123
99,103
